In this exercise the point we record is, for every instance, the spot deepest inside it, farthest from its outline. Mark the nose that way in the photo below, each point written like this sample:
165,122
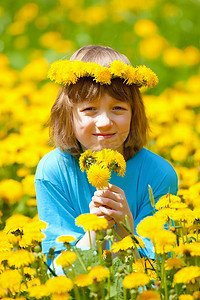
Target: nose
103,120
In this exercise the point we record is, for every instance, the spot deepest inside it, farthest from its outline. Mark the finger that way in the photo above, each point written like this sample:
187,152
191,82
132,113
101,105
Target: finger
114,188
114,195
107,202
115,214
96,211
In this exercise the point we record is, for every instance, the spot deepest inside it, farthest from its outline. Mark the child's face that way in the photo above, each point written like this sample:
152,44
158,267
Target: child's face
104,123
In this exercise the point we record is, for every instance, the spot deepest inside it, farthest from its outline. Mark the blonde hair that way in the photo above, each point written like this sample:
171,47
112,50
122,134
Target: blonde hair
61,120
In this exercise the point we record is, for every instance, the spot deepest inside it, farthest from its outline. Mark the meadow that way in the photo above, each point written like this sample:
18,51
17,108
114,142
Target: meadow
163,35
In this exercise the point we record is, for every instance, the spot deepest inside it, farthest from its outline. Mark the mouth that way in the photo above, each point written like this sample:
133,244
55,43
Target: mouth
104,135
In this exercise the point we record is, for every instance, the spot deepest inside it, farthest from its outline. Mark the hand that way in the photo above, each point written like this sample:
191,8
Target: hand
111,202
94,209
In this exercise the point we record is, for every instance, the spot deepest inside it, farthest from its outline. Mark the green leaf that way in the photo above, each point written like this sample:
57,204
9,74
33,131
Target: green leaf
151,196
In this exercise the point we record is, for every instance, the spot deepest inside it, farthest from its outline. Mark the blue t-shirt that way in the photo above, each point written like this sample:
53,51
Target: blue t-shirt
63,191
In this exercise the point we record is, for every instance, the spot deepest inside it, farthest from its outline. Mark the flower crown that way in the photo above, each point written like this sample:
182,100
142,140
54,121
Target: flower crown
68,72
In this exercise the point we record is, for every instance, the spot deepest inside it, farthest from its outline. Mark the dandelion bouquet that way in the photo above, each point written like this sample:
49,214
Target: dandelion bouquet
99,165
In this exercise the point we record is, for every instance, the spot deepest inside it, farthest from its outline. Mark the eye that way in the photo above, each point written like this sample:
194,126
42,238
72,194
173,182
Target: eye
90,108
118,108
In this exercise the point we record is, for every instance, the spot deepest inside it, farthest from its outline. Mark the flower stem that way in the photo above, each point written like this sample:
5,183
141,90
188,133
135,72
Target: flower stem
109,287
125,294
23,276
99,248
163,276
90,239
111,267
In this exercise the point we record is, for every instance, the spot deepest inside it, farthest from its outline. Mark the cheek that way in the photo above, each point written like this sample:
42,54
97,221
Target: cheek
81,124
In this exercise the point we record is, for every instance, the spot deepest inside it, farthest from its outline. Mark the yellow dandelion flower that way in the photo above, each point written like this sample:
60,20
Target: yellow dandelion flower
29,272
130,75
2,293
124,244
66,258
164,241
149,226
118,164
59,284
148,295
21,258
145,28
167,201
98,176
83,280
5,245
117,68
192,249
68,72
145,265
134,280
33,282
65,239
184,214
91,222
165,214
64,296
86,159
79,68
113,160
32,231
99,273
174,263
145,76
62,72
186,297
104,156
32,202
11,279
187,275
80,220
4,255
91,68
11,191
38,291
18,298
196,213
102,75
15,223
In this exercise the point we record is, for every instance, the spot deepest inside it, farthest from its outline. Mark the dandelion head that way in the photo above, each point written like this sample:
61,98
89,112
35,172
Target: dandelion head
86,159
66,239
187,275
99,273
59,284
134,280
66,258
83,280
98,176
174,263
148,295
91,222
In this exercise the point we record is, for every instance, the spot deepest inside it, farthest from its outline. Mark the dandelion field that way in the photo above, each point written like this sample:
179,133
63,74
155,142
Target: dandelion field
164,35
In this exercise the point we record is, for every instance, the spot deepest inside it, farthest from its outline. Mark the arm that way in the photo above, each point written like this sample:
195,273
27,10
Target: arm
56,210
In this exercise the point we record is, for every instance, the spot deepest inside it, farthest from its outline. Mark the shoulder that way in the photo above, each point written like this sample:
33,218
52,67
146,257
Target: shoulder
152,161
159,172
53,164
152,167
155,171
